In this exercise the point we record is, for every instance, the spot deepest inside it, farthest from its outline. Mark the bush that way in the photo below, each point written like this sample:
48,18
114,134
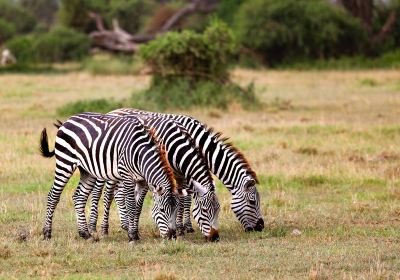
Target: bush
7,30
296,29
22,48
180,93
129,13
61,44
199,56
112,65
23,21
97,105
191,69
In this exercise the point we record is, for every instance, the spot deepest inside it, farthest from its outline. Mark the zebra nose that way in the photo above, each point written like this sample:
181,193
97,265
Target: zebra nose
260,225
214,235
171,234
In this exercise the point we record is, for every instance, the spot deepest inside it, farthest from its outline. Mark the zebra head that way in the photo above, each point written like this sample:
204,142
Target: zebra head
206,210
246,204
164,212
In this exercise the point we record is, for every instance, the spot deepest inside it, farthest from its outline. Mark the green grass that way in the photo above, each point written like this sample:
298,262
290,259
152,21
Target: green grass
328,164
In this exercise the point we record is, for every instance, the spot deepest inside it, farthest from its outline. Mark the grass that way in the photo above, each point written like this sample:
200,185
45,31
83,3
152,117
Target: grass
325,147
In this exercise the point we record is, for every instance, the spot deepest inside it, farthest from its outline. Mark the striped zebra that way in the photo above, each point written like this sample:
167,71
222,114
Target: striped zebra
226,162
190,171
113,149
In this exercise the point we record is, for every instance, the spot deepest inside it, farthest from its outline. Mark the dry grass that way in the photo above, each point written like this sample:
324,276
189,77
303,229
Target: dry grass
326,148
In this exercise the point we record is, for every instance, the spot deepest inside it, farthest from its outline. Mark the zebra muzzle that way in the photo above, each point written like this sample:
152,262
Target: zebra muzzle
213,236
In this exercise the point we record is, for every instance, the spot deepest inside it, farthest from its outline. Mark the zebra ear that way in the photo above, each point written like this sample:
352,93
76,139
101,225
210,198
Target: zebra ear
199,188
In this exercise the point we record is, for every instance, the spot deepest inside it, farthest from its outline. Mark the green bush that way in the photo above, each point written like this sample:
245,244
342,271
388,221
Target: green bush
97,105
129,13
22,48
297,29
112,65
7,30
200,56
61,44
58,45
192,69
23,21
180,93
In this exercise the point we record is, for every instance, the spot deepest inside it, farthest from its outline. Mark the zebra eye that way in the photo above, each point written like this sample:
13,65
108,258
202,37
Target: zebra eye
249,184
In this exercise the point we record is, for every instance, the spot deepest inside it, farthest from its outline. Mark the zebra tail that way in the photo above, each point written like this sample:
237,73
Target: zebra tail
44,145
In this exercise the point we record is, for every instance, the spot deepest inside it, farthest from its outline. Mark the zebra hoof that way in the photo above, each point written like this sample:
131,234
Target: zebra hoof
94,238
133,236
189,230
180,231
85,234
104,231
46,233
92,230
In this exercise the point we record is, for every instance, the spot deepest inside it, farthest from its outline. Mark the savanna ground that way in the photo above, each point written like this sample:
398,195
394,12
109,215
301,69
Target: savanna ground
326,148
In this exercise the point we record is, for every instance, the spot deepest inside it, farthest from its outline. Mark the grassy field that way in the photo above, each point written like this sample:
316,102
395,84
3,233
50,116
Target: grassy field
325,146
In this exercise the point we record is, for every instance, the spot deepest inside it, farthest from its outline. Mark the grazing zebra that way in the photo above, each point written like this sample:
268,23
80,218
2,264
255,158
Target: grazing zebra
226,162
190,170
113,149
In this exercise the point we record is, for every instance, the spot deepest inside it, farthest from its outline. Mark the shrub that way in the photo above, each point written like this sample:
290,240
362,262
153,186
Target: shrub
22,48
23,21
199,56
97,105
61,44
58,45
7,30
191,69
129,13
112,65
293,29
180,93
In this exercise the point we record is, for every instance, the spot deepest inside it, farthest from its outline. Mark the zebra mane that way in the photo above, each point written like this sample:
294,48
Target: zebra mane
229,145
163,155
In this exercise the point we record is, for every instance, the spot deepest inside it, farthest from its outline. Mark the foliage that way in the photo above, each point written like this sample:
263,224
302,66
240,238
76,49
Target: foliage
129,13
43,10
200,56
293,29
22,48
227,10
22,20
389,59
74,13
61,44
180,93
112,65
7,30
96,105
58,45
191,69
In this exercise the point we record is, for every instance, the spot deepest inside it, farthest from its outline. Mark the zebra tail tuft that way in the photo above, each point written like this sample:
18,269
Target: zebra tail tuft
44,145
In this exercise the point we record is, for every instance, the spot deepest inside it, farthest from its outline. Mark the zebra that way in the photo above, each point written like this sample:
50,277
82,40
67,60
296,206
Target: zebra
190,170
113,149
225,161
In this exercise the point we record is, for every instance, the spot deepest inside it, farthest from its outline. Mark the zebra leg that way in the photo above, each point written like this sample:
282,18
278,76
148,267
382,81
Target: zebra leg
129,193
108,198
94,209
80,197
179,218
140,194
61,176
187,203
120,201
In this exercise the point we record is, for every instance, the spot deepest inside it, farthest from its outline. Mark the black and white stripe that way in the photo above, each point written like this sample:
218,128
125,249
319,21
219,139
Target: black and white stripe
113,149
190,168
226,162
